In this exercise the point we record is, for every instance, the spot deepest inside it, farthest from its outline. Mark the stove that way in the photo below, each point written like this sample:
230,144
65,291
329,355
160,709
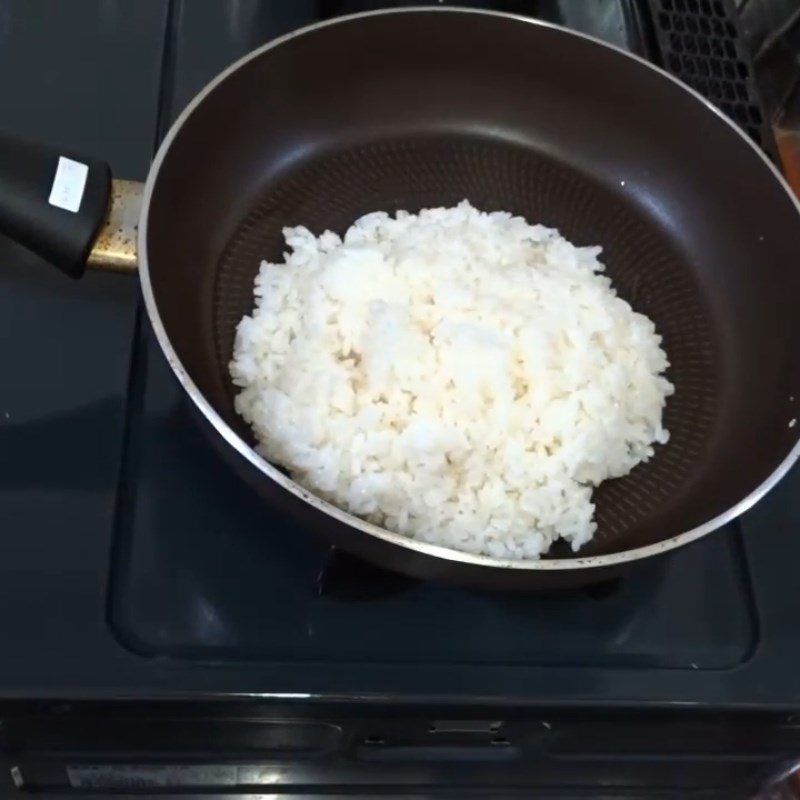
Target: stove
203,571
165,631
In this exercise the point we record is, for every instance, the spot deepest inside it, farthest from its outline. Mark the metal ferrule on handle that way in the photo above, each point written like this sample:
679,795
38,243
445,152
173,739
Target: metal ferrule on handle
115,249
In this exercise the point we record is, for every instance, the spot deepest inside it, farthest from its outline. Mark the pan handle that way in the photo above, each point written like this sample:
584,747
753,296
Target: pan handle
54,202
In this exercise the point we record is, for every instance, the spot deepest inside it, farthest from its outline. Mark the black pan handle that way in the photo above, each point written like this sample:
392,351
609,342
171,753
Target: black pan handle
52,201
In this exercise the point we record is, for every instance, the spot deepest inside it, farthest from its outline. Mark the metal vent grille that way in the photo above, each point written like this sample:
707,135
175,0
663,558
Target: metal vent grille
700,43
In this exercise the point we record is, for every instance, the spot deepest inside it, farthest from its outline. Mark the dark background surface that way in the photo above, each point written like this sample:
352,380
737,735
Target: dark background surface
128,628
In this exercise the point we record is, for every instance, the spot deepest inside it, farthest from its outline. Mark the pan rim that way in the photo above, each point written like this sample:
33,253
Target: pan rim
272,473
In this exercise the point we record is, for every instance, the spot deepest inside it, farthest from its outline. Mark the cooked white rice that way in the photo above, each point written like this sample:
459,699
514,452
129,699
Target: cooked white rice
461,377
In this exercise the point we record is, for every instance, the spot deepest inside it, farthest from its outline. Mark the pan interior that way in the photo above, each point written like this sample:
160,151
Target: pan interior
413,173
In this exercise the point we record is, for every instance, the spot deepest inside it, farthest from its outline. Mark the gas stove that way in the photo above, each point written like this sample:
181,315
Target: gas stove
165,631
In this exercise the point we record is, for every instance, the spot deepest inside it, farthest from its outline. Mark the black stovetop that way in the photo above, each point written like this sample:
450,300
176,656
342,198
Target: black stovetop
133,564
203,571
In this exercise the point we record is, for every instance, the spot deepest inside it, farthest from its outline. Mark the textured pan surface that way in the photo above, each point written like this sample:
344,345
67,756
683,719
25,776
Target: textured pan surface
698,234
414,174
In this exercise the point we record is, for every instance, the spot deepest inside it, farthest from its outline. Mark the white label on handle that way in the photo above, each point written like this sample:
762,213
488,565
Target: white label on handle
68,184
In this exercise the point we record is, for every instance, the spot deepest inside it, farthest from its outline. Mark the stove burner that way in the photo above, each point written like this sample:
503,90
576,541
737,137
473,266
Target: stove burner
347,578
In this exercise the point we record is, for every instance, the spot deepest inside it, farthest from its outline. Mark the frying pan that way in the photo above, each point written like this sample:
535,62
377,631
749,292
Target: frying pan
409,108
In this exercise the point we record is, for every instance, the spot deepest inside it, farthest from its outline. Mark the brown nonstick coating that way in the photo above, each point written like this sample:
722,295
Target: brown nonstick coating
425,108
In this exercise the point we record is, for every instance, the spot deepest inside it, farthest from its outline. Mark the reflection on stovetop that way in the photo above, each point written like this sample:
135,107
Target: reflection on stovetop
204,570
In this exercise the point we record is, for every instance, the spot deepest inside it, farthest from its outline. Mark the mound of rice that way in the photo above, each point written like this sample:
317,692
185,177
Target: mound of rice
463,378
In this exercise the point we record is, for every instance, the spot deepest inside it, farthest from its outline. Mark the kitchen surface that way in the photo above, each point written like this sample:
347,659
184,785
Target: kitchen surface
164,631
